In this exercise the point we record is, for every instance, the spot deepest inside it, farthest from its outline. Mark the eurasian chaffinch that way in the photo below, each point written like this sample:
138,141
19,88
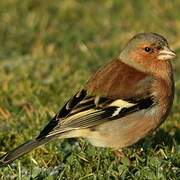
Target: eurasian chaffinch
121,103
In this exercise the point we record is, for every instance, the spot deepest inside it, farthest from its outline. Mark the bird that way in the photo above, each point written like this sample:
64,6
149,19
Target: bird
121,103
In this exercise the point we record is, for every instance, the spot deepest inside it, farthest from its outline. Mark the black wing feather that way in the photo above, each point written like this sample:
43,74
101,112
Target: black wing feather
81,102
64,112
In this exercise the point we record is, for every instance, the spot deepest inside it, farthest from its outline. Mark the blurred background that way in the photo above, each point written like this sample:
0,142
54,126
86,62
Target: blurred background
48,49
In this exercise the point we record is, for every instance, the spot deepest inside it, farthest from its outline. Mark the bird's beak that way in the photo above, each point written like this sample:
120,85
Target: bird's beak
166,54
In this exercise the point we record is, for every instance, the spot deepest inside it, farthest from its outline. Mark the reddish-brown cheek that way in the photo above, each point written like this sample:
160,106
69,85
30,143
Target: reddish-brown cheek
143,59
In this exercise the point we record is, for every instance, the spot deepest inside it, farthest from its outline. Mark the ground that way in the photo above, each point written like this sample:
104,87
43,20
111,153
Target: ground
48,49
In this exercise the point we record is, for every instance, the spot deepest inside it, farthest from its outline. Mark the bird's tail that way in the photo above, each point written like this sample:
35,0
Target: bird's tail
22,149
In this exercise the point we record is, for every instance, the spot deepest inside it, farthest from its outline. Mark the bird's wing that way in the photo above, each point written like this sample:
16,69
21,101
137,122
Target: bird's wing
99,103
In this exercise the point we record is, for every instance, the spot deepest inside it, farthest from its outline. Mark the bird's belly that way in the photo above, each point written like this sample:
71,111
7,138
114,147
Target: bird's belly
125,131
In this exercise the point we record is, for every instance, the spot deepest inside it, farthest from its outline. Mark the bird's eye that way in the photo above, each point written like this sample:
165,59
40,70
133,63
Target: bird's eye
147,49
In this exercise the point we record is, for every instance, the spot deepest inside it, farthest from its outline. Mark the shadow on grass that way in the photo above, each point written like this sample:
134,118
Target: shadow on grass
158,139
165,138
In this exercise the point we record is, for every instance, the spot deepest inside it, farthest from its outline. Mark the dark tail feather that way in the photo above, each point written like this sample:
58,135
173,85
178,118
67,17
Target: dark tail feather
22,149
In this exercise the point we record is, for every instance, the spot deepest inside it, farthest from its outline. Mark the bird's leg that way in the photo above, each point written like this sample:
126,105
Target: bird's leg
119,153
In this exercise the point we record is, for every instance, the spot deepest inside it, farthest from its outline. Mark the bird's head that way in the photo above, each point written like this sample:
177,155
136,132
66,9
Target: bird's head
146,50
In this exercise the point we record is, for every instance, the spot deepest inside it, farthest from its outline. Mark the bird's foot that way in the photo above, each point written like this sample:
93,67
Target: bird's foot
119,154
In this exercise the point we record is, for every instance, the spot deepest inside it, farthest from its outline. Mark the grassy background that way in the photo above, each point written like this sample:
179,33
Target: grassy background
48,49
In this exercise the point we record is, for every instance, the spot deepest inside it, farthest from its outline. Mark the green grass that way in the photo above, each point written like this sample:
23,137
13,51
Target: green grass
48,49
